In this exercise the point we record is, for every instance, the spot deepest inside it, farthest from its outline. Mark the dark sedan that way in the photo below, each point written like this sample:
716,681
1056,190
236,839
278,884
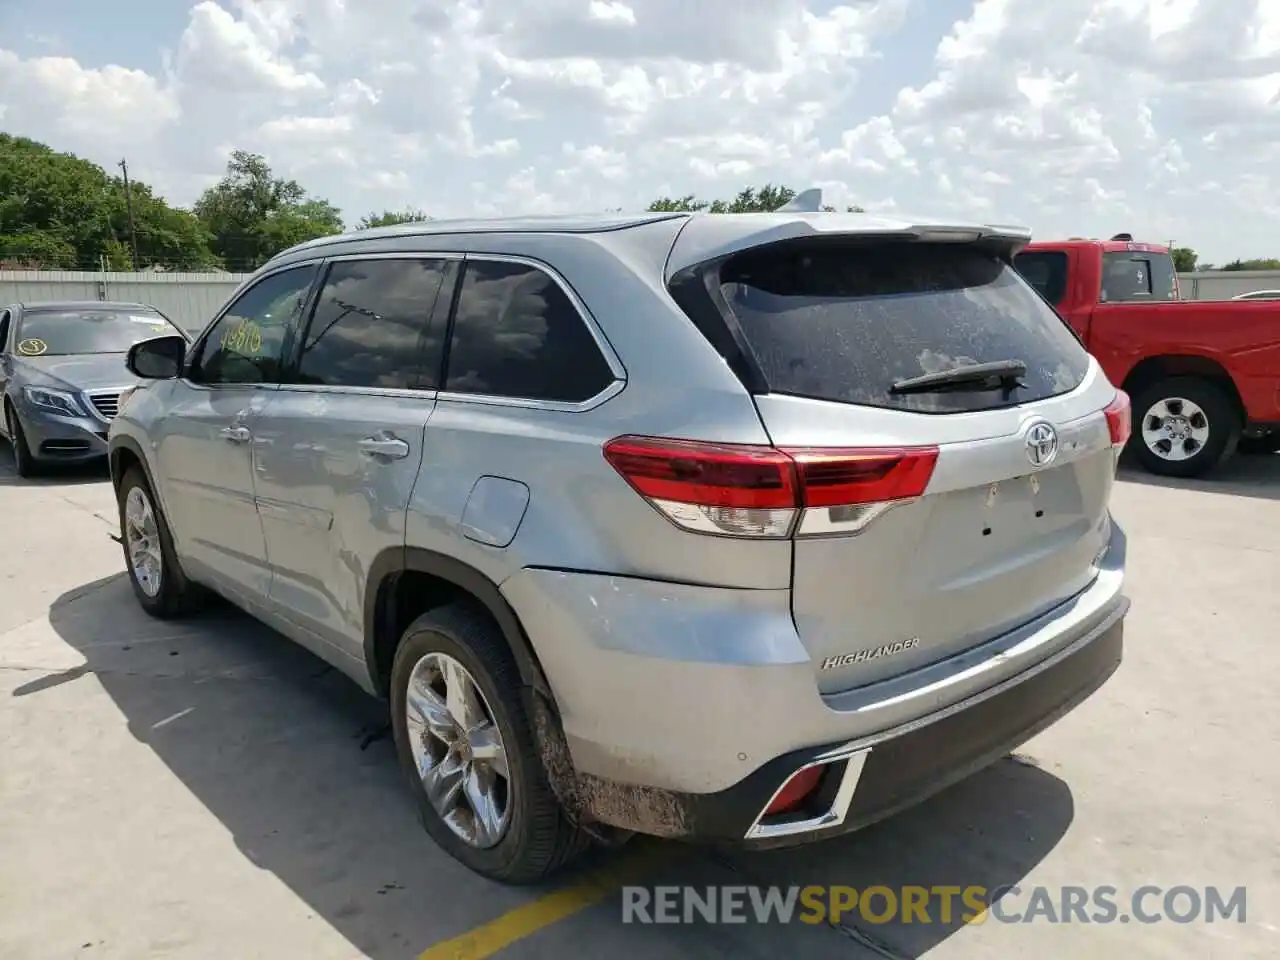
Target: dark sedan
62,371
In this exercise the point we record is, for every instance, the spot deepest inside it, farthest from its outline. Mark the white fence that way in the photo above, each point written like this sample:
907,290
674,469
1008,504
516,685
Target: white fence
191,299
1225,284
188,299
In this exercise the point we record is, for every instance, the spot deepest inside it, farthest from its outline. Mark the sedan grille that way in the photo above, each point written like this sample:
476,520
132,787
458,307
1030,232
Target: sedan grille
106,404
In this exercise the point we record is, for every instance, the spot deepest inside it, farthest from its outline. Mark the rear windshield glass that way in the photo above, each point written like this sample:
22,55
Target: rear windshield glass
1137,276
63,332
844,322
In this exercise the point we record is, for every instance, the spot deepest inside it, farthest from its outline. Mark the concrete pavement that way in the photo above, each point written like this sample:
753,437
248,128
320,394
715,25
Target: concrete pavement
208,790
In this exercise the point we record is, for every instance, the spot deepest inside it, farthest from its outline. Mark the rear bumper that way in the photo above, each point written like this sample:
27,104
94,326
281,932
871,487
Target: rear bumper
864,779
680,709
869,780
691,689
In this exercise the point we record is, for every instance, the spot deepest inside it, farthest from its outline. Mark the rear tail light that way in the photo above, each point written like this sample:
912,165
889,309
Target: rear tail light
759,491
747,491
1119,419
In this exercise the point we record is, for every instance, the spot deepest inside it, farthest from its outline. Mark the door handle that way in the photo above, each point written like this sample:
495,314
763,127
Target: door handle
236,434
393,448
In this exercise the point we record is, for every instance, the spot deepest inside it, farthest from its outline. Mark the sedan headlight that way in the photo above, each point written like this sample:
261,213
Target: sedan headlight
55,401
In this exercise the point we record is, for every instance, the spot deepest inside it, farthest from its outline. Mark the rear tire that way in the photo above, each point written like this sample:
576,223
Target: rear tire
26,464
1184,427
158,582
531,837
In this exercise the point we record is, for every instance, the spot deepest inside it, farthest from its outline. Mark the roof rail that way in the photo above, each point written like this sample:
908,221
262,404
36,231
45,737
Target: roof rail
807,201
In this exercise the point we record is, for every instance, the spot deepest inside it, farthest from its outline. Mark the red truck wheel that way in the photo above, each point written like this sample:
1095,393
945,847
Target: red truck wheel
1184,427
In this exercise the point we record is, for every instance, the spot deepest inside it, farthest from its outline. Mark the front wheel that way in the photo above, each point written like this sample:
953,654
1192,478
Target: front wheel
157,580
467,748
1184,427
26,464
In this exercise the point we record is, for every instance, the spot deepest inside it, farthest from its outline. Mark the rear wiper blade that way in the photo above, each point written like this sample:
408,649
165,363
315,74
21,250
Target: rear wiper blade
998,374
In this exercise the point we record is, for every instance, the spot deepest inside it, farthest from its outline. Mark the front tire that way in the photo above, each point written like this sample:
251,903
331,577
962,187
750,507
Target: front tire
1184,427
24,462
466,745
157,580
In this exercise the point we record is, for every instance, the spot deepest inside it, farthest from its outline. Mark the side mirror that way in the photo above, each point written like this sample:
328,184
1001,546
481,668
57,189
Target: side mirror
157,359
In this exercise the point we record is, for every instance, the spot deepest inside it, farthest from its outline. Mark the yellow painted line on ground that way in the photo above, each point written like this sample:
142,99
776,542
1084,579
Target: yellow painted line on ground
628,866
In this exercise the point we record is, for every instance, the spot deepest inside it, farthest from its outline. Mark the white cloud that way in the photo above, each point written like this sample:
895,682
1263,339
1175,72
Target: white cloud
113,105
1096,113
612,11
1077,117
870,147
237,56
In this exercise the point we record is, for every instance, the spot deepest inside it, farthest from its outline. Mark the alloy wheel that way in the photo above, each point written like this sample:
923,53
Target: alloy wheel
458,750
1175,429
142,539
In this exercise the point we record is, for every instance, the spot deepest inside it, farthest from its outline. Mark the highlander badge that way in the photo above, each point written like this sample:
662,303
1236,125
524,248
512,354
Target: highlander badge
871,653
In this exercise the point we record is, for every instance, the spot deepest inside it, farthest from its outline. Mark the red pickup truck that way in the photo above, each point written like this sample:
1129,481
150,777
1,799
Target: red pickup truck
1204,376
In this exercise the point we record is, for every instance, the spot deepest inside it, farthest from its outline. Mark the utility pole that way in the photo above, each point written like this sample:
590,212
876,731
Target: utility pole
128,199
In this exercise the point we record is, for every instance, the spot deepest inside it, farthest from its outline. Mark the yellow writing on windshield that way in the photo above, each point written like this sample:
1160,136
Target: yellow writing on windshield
243,337
32,347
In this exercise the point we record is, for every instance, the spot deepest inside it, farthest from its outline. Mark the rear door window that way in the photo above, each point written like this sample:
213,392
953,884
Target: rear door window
516,334
843,321
370,327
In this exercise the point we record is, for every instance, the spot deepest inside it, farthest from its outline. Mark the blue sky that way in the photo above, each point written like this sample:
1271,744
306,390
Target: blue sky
1077,117
132,33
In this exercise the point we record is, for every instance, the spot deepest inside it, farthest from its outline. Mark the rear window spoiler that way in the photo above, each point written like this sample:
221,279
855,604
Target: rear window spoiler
711,237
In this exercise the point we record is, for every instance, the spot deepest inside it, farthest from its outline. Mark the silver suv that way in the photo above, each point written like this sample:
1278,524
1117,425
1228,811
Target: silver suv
746,528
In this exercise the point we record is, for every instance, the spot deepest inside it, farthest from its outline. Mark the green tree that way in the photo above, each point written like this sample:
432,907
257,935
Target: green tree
58,211
36,249
391,218
1261,264
1184,259
686,204
167,236
749,200
252,214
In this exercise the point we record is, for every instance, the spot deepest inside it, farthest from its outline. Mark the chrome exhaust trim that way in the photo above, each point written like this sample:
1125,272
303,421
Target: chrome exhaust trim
833,816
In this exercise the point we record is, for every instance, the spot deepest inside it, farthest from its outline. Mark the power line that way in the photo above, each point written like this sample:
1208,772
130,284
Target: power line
128,199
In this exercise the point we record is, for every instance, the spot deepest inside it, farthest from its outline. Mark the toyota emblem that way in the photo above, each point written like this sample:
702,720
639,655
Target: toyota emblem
1042,443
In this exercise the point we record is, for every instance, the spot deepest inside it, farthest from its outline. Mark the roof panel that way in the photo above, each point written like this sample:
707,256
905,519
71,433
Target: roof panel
703,237
553,223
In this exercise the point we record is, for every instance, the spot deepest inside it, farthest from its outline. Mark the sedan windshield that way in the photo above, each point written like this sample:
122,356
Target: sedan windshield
47,333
